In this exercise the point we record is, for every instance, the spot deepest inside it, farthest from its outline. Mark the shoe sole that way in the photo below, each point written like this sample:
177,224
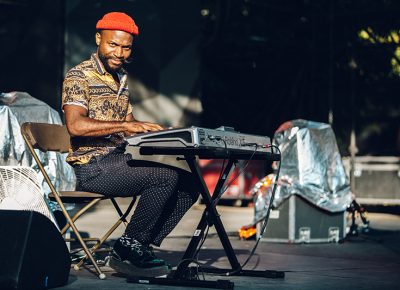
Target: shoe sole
125,267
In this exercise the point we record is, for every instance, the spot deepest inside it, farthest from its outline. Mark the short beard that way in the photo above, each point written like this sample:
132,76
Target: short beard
105,64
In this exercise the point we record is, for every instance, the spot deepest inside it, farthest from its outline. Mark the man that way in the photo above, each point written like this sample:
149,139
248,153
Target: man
98,115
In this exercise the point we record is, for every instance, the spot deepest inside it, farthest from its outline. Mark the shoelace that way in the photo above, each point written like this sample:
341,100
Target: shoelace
133,244
138,248
151,251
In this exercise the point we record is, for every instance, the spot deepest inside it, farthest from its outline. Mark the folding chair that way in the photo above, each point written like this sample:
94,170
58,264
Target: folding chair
52,137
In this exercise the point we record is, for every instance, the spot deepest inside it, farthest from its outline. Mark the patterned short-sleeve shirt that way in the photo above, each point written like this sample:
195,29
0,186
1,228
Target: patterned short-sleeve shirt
90,86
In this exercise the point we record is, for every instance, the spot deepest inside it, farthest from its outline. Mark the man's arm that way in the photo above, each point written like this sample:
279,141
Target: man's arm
130,117
79,124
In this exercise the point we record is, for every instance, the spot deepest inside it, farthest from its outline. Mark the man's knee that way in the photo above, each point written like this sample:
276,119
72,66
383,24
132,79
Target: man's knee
168,176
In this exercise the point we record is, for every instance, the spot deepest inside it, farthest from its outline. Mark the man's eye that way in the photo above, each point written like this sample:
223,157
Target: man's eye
127,48
112,44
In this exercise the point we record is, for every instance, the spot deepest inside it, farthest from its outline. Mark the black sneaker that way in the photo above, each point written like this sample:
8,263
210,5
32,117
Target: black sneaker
150,250
136,261
151,253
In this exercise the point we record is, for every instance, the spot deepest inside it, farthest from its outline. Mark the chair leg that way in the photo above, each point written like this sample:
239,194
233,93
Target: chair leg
79,213
79,237
122,218
128,210
98,244
85,248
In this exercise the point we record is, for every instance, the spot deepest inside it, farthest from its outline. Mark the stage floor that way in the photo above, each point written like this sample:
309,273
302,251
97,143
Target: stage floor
370,261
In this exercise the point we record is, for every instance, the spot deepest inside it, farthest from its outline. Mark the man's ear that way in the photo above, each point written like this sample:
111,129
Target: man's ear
98,38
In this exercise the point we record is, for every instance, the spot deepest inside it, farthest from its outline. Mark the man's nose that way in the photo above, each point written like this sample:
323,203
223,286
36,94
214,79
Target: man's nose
118,52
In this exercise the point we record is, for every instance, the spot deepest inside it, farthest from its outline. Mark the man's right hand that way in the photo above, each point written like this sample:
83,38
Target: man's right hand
134,127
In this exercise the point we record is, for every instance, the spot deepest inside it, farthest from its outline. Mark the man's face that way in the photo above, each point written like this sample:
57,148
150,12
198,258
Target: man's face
114,48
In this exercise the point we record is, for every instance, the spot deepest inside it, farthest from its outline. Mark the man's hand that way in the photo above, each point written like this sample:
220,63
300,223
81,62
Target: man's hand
134,127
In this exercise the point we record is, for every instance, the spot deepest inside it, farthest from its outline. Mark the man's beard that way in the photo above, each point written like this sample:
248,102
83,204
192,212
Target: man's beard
104,61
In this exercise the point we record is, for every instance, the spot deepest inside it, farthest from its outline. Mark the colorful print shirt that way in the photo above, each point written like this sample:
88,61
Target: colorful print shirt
90,86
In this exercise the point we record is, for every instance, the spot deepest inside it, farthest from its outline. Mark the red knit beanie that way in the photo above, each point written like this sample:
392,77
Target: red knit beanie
118,21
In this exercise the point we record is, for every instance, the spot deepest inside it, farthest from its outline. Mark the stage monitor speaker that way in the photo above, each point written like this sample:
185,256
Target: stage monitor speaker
33,254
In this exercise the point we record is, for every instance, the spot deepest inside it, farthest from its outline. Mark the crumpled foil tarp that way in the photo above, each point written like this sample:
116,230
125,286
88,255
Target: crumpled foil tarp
311,167
15,109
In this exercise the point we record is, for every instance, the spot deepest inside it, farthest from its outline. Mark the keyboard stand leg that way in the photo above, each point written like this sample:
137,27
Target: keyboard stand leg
211,217
182,275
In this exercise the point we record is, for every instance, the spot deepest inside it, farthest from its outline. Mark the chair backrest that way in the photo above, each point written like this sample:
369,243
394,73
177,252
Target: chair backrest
46,137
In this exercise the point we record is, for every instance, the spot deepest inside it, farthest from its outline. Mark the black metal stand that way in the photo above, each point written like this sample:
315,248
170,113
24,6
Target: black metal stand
219,284
182,275
353,209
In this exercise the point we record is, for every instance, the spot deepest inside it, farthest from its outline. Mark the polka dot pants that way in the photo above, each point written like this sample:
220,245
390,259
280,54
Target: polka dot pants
166,192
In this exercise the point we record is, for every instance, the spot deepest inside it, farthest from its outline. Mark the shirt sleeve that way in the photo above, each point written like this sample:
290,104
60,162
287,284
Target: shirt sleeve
75,89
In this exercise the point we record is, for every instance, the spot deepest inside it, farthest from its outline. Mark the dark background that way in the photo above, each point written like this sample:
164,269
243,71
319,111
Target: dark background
254,64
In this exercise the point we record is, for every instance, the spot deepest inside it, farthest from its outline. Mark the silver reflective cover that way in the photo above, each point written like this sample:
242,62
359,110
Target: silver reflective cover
311,167
15,109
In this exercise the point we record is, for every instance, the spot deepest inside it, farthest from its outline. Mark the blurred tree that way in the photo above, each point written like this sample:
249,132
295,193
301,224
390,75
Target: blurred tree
266,62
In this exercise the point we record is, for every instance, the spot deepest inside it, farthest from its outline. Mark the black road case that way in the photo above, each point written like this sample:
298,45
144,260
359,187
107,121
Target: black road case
298,221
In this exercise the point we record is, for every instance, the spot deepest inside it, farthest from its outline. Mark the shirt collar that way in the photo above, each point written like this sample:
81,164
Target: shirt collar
100,67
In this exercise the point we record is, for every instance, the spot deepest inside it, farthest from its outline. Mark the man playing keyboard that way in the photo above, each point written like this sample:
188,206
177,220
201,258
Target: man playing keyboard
98,115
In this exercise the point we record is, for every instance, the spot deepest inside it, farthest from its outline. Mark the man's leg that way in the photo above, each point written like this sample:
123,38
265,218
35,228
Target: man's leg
118,175
176,207
112,175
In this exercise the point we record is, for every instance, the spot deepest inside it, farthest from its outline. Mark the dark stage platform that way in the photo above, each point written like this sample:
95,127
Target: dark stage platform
365,262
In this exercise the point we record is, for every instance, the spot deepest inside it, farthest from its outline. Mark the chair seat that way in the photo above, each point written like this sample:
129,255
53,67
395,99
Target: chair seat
77,196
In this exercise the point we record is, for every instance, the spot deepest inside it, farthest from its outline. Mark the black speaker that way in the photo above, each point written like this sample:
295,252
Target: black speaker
33,254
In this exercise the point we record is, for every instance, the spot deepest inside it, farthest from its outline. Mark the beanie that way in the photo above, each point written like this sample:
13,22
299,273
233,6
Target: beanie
118,21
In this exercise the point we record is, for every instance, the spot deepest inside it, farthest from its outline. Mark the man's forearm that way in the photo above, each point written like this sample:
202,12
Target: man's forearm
88,127
79,124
